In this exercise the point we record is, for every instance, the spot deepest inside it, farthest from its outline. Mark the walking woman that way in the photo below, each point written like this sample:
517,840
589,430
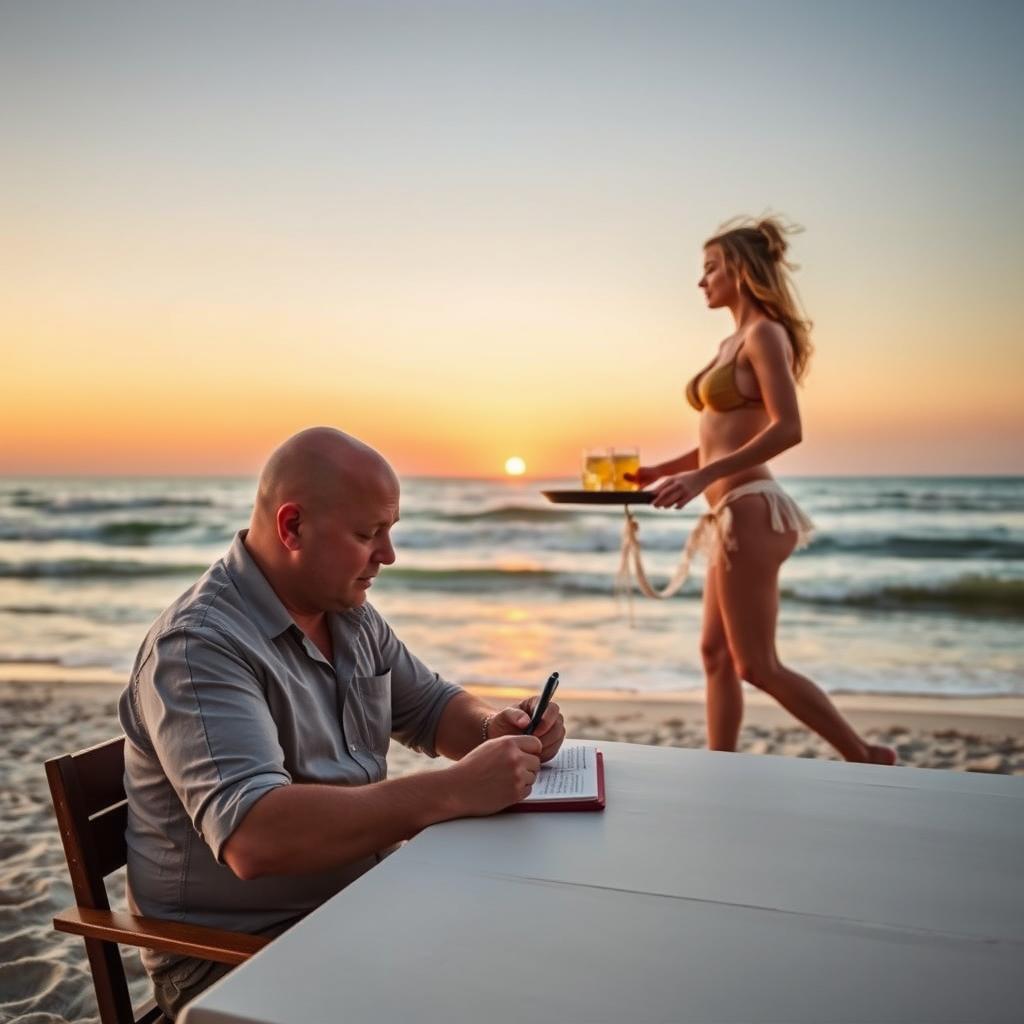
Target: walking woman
747,400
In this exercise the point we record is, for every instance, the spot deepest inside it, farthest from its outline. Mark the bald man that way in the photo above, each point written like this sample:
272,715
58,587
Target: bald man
261,706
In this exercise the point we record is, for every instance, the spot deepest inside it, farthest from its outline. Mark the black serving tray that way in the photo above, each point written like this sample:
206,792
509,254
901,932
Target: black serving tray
599,497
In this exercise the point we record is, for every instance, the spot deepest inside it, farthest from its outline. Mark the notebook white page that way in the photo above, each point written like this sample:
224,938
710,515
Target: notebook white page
570,775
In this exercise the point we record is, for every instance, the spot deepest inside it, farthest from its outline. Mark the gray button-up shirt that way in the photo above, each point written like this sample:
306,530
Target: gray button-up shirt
228,699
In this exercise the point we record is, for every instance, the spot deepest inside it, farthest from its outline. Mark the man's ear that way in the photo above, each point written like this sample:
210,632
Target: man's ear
289,524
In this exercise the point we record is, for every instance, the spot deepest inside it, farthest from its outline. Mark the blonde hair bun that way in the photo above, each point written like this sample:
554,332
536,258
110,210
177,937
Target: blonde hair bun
773,234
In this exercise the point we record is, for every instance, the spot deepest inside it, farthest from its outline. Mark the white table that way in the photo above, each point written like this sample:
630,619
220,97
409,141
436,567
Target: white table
714,887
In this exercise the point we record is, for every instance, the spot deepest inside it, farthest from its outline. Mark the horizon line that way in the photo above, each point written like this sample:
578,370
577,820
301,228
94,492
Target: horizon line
497,477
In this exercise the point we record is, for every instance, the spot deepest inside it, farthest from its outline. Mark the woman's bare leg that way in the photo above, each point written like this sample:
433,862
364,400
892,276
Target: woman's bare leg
724,693
749,599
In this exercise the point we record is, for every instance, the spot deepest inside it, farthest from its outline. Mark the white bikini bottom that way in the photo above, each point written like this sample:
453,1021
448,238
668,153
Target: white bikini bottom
713,536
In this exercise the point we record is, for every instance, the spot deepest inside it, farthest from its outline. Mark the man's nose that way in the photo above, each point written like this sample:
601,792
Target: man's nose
385,553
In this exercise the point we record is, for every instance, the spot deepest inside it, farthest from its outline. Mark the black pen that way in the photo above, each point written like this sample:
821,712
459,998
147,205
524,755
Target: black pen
542,705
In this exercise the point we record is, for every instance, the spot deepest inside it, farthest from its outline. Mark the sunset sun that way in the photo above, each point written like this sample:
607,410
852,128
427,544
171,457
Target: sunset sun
515,466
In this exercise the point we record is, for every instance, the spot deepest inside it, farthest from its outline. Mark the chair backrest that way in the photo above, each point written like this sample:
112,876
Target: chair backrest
88,795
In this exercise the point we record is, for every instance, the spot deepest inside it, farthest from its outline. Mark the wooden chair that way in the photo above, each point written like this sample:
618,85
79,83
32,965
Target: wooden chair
92,812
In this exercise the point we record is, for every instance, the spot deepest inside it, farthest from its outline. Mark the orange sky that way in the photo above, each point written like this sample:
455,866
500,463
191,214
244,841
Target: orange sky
106,380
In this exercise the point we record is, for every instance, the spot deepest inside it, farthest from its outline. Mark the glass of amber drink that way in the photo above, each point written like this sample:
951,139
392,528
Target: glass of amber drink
598,472
625,460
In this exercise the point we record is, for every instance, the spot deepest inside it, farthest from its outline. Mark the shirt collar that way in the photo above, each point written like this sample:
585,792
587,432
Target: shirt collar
268,613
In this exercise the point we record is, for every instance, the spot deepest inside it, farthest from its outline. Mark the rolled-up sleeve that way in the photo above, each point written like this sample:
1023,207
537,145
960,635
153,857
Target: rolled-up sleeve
418,695
211,729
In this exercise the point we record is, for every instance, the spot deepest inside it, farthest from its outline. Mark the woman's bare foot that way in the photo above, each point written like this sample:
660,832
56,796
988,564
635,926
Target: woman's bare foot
881,755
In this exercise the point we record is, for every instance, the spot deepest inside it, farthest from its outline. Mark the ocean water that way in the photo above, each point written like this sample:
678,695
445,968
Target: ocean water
912,585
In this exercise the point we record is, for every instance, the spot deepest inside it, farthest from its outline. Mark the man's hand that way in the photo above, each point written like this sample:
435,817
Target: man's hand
496,774
512,721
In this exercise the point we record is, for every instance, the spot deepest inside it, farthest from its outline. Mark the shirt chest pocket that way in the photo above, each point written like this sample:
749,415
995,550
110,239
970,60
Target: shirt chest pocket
366,716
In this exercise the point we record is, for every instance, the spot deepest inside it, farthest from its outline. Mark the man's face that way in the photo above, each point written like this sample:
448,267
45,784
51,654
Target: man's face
346,543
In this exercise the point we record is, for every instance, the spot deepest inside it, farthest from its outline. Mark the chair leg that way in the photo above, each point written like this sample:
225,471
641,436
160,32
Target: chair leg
108,978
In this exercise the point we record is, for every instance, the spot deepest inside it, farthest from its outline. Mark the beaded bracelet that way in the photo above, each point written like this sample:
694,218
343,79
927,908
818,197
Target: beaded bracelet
486,726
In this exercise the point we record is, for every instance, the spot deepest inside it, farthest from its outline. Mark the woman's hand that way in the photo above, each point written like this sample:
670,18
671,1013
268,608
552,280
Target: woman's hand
643,476
676,491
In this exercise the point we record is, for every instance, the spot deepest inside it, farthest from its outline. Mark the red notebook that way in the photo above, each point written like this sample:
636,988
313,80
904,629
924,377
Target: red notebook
573,780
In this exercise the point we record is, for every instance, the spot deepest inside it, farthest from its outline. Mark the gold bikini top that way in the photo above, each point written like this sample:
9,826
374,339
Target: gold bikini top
716,388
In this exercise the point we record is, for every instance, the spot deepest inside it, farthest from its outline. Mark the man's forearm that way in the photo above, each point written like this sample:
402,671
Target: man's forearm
460,728
304,828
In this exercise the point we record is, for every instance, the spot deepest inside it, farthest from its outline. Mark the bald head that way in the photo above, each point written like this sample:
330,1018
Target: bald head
318,469
321,525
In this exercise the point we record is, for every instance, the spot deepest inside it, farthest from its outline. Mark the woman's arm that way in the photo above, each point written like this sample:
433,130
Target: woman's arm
648,474
768,350
688,460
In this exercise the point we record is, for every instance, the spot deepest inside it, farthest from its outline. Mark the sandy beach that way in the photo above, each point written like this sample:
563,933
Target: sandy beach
44,977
